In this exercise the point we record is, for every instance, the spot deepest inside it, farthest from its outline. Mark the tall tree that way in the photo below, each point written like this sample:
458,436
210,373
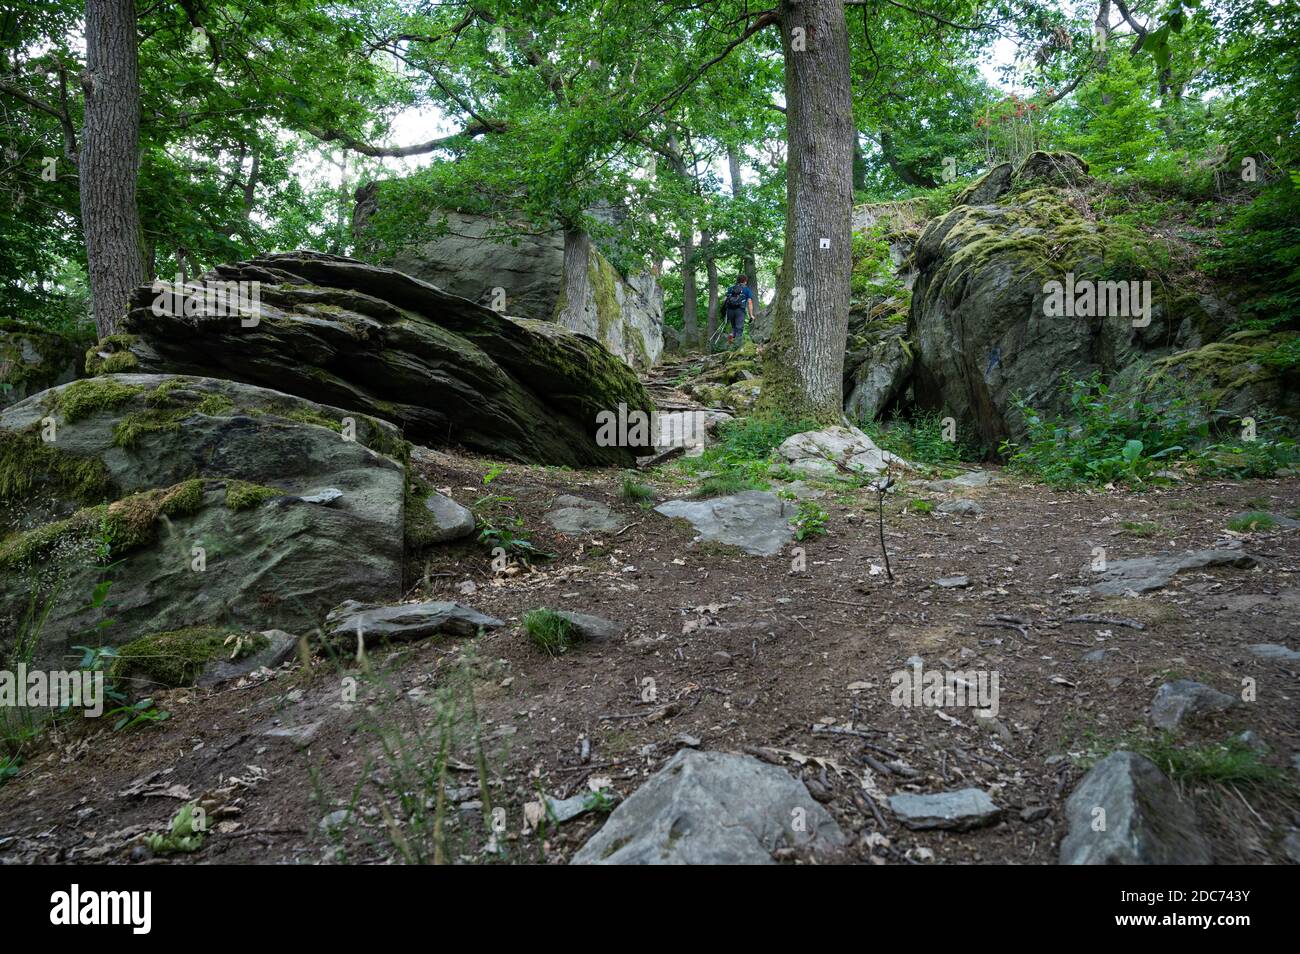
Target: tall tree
803,368
110,159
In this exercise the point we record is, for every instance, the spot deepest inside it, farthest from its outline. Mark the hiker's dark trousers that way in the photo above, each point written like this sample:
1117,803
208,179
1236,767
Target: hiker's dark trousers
736,316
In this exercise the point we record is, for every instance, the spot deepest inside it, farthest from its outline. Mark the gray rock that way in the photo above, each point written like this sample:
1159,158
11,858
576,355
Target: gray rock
567,809
301,735
323,497
1125,812
402,622
1184,700
279,649
386,345
34,359
593,629
277,564
756,521
1274,653
712,808
577,515
952,582
820,453
453,521
473,259
961,507
1143,574
1096,655
880,377
1250,738
960,810
988,187
1291,846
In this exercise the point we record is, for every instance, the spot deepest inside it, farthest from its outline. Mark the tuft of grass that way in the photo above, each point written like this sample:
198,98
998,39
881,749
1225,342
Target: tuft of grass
729,482
549,631
920,505
635,491
1216,763
1139,528
1255,520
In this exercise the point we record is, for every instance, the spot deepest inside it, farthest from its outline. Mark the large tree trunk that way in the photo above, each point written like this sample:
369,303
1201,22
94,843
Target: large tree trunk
803,373
110,160
690,306
747,265
711,268
579,298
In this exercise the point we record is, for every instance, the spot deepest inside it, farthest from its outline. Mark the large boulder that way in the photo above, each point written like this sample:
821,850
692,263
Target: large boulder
206,503
380,342
473,256
712,808
980,321
33,359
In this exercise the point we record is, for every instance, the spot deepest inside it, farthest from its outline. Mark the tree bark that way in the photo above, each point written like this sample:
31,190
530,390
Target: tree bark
690,305
110,160
711,269
803,373
578,293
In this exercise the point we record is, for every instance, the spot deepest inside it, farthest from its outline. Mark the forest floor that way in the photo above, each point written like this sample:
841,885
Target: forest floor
745,655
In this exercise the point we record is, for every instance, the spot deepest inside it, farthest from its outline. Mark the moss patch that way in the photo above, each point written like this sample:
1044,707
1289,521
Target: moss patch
86,397
116,350
242,495
177,658
28,463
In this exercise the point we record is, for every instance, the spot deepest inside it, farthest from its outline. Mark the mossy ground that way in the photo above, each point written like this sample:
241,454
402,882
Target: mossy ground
242,495
177,658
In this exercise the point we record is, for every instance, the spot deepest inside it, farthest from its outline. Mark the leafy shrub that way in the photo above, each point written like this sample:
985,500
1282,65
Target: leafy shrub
1109,437
920,438
811,520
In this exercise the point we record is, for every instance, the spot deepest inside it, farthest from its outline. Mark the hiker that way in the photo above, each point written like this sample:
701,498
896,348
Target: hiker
738,303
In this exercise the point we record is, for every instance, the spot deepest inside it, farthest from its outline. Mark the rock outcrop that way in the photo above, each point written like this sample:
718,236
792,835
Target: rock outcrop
206,503
524,274
981,322
379,342
33,359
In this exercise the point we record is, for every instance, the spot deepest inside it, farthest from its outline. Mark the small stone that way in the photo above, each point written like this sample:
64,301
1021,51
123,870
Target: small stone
1184,700
302,735
961,507
1250,738
452,520
1291,845
1274,653
334,820
466,587
592,629
1033,813
960,810
952,582
323,497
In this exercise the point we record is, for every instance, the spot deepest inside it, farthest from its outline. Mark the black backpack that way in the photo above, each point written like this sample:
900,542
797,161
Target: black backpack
735,300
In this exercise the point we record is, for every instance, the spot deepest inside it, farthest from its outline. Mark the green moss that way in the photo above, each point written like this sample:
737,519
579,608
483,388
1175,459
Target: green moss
43,543
57,352
421,530
242,495
177,658
124,525
604,288
162,415
28,463
117,349
89,396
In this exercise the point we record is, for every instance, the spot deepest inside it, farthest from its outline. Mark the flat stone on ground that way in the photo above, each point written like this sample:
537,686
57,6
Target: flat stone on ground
756,521
956,811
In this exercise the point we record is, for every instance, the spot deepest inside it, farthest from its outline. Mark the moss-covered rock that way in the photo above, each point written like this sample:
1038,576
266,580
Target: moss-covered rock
34,359
179,657
204,501
389,347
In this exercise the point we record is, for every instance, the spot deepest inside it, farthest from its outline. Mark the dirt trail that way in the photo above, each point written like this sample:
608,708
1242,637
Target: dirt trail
744,654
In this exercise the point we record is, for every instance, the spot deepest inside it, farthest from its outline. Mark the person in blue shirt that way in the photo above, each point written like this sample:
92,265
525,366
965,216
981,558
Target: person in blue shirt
739,303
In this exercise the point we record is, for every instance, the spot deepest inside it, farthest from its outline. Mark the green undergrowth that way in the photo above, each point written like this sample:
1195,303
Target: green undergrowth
1107,437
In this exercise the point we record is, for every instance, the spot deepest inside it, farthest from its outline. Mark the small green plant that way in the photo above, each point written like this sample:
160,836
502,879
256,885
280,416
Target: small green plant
924,438
183,837
635,491
140,713
493,472
549,631
511,538
1250,522
810,520
1139,528
920,506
